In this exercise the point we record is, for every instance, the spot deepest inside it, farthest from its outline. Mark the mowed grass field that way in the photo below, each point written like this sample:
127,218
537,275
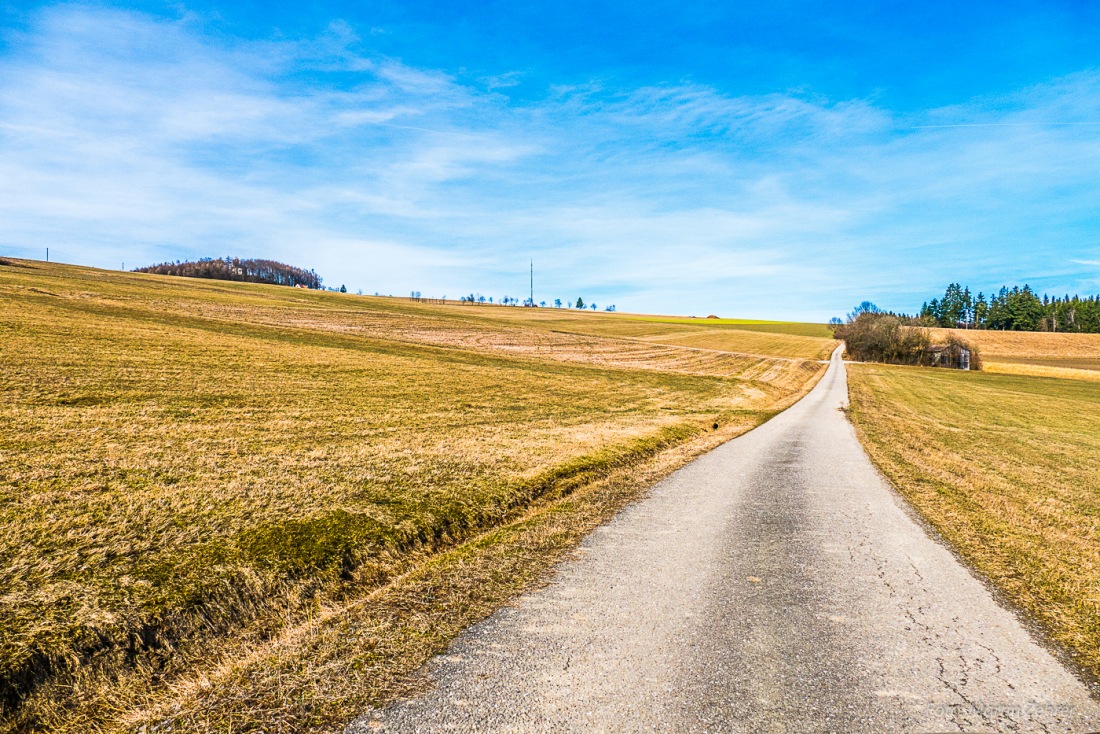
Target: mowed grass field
211,489
1005,467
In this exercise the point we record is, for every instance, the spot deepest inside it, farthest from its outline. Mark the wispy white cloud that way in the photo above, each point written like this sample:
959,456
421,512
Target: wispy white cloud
124,137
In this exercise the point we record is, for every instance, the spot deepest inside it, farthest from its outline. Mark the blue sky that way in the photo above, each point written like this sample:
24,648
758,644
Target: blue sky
769,160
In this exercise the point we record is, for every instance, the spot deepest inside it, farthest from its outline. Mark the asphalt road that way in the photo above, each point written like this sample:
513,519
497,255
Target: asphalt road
776,584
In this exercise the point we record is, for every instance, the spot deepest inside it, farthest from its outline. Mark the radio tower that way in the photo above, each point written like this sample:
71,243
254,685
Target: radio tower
532,301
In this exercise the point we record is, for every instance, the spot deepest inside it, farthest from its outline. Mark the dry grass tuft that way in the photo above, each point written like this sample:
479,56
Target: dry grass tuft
196,470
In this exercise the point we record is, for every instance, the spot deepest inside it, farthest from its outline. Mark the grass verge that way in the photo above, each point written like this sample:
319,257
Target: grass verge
319,675
1004,467
193,468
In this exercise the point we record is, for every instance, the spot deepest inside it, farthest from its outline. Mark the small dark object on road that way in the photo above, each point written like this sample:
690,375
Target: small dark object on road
716,426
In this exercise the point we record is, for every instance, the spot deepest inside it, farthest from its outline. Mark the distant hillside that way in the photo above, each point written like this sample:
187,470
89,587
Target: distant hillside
248,271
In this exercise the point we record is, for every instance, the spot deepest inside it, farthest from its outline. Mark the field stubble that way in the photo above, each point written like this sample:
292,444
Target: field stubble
193,469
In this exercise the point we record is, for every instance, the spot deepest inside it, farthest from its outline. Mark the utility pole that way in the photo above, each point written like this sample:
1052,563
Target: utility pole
47,254
532,281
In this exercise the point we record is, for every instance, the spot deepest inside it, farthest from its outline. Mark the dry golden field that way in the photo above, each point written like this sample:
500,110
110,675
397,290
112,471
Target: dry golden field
1009,351
747,339
203,482
1005,468
1088,371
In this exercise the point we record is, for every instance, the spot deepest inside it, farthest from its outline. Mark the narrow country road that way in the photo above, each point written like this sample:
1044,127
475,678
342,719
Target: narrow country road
776,584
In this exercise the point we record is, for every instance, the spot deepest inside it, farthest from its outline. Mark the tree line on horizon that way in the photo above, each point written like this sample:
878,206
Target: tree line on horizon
1015,309
510,301
232,268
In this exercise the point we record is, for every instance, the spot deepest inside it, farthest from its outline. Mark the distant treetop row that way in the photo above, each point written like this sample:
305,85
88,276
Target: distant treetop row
510,301
248,271
1018,309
